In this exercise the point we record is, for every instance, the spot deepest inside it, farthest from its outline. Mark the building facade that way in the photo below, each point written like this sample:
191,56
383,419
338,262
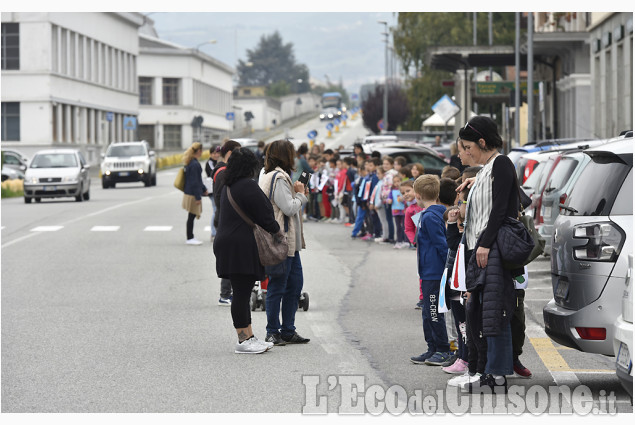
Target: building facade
176,86
68,80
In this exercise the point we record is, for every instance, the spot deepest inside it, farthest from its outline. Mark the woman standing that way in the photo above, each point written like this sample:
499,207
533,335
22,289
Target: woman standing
235,246
194,189
287,199
493,197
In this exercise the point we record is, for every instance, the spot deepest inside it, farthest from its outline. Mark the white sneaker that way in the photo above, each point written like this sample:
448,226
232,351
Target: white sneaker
465,386
378,240
250,346
265,343
193,241
458,380
404,245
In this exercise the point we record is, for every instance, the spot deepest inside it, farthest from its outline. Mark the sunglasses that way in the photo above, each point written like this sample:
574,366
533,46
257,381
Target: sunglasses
460,202
467,124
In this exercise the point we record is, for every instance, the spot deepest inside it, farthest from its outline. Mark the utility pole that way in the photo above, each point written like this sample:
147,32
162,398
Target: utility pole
385,117
530,77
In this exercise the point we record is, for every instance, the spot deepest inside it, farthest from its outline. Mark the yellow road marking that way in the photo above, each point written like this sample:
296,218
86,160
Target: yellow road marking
549,354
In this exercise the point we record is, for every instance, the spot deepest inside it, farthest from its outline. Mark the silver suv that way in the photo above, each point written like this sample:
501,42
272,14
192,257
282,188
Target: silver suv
128,162
592,239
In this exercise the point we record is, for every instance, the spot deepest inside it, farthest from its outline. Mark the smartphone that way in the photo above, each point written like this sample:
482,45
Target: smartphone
304,178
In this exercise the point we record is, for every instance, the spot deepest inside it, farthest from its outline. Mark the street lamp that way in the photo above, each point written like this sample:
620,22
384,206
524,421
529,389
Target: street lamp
385,119
205,42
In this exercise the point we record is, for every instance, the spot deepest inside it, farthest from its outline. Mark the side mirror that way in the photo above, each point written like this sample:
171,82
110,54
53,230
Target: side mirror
152,153
23,167
87,167
103,155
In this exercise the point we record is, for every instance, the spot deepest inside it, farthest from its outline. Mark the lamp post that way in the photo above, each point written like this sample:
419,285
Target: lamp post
205,42
385,116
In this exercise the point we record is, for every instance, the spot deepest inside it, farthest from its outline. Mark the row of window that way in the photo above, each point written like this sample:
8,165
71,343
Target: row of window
82,57
171,89
10,46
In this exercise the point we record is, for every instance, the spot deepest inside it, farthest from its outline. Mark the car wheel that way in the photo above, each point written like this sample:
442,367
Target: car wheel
147,180
154,179
104,183
27,200
79,197
87,195
38,200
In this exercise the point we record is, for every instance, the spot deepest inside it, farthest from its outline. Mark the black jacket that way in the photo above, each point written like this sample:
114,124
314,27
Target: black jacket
219,183
234,245
193,180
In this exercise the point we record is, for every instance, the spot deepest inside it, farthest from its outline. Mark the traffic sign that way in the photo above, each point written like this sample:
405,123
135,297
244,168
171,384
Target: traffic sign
445,108
380,124
336,121
329,126
130,123
109,116
312,134
229,116
354,96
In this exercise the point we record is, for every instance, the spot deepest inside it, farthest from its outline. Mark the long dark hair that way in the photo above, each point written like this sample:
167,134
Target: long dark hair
242,163
280,153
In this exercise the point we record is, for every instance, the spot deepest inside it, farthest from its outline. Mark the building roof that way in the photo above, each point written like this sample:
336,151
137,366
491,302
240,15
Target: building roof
452,58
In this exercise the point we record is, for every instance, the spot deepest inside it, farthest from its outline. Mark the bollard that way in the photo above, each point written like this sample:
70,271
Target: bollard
311,143
337,128
328,133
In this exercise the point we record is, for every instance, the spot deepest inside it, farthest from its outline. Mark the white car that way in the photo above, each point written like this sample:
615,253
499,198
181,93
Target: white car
623,336
128,162
56,173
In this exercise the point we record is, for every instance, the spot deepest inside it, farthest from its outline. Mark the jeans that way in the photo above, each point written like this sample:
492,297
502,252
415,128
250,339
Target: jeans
226,288
391,225
401,229
376,224
359,219
285,289
433,322
499,353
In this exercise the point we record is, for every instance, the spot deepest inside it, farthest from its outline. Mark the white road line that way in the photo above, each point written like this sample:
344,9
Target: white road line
47,228
104,228
208,228
158,229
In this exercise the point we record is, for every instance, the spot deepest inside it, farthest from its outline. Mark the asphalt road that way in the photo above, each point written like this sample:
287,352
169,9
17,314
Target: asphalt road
105,309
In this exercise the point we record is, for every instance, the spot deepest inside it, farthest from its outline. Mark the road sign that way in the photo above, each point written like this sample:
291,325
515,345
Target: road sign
354,96
229,116
445,108
312,134
130,123
380,124
502,88
329,126
109,116
336,121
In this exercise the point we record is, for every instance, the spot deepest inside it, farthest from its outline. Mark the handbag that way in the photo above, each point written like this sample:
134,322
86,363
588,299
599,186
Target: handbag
179,181
280,269
272,249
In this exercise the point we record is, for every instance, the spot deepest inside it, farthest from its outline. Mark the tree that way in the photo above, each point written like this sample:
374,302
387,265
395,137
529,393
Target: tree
373,108
272,62
416,32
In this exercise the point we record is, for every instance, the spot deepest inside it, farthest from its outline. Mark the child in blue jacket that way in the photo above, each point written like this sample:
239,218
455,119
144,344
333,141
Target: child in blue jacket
432,250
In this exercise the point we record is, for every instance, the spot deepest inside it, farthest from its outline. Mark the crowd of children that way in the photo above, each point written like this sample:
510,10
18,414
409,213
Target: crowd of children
389,201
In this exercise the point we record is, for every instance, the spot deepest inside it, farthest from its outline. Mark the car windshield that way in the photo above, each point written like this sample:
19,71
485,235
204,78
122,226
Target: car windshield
595,191
54,160
127,150
561,174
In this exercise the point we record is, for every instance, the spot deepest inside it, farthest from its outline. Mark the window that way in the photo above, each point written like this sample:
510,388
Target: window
172,136
170,91
10,121
561,174
145,90
146,132
10,46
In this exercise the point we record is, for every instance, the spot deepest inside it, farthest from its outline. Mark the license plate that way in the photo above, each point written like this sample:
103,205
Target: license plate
547,212
124,174
49,188
624,357
562,289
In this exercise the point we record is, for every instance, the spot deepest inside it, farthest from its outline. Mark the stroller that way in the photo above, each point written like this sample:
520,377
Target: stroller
259,297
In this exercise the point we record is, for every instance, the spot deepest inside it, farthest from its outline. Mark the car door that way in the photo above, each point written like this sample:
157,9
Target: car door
85,176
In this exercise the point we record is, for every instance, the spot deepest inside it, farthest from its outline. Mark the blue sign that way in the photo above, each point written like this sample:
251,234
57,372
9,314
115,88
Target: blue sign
109,116
130,123
312,134
229,116
354,96
344,117
329,126
336,121
380,124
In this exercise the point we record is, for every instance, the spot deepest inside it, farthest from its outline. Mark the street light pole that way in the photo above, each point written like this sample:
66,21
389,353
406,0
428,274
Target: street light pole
205,42
385,117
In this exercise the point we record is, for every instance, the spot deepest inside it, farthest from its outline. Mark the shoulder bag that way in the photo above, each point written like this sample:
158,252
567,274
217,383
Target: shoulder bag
272,249
179,181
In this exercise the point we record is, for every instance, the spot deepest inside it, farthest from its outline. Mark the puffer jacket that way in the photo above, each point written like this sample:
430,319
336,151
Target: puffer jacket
496,286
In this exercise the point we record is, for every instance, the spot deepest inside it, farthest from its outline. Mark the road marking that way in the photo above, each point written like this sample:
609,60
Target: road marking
208,228
549,355
47,228
104,228
157,228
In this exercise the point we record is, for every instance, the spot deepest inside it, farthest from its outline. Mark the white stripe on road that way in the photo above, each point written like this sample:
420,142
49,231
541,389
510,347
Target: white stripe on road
157,229
104,228
208,228
47,228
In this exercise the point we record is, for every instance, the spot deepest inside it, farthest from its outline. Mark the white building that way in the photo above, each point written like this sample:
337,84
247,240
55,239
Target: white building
68,80
177,84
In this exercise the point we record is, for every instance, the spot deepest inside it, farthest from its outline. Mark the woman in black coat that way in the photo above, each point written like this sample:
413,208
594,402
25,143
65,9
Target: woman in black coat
235,246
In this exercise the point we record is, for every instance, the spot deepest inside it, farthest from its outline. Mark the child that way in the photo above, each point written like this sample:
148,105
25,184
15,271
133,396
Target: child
351,176
333,189
400,161
404,172
378,204
314,191
343,189
390,173
410,229
359,188
450,172
396,201
372,219
417,170
432,250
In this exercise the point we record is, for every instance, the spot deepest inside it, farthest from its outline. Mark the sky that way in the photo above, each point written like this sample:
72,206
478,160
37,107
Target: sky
347,46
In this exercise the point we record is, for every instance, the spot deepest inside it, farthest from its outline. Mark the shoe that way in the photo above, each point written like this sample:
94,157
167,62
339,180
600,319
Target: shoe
275,339
520,370
295,339
367,238
348,224
225,301
313,218
379,240
250,346
488,384
418,307
404,245
451,360
264,343
385,241
397,245
463,380
193,241
438,358
324,219
459,366
422,358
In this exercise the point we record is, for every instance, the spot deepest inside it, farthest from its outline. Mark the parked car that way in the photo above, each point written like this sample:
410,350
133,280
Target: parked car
623,337
413,152
11,174
251,144
592,239
128,162
15,160
57,173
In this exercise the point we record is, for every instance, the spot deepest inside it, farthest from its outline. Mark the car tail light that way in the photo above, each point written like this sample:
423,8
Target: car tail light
594,334
563,198
529,168
604,242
